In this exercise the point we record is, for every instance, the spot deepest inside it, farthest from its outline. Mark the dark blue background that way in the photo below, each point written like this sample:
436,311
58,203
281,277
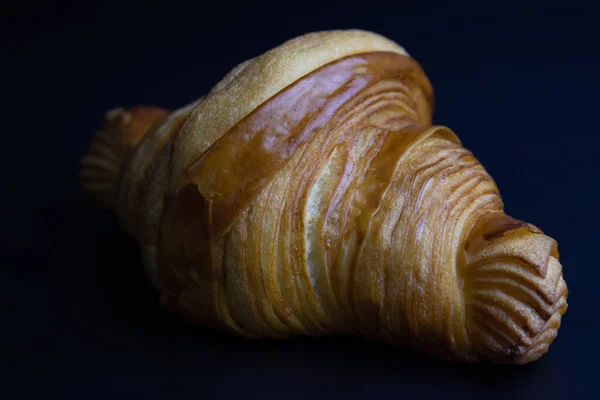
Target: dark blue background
518,83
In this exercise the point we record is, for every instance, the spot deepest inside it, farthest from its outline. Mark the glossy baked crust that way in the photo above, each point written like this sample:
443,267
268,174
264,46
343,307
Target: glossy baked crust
308,194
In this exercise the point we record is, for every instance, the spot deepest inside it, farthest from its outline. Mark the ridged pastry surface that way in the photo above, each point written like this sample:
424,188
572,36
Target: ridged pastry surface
332,206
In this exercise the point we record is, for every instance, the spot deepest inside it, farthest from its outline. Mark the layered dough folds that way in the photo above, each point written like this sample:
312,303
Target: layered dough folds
308,194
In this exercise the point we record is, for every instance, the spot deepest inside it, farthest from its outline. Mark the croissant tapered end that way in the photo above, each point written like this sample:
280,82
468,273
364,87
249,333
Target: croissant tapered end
515,294
101,167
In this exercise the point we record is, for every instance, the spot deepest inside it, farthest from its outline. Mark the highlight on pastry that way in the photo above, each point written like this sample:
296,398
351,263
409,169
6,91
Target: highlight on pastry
308,194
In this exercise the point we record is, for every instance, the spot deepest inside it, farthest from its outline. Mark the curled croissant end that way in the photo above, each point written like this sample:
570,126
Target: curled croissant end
308,194
110,148
514,290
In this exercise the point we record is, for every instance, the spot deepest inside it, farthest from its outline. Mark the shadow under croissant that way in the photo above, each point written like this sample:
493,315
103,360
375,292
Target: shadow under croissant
119,272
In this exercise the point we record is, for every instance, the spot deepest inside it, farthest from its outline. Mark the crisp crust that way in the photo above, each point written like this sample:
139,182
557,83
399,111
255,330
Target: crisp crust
252,83
136,175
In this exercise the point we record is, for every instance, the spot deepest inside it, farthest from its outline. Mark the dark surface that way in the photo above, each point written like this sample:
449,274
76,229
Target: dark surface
80,319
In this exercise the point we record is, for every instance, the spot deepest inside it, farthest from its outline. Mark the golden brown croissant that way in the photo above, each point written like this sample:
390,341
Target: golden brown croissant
308,194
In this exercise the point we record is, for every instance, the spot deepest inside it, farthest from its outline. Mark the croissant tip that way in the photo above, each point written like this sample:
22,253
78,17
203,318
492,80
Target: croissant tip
515,313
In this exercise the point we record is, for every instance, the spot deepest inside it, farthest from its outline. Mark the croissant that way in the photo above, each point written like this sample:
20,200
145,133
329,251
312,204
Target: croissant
308,194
